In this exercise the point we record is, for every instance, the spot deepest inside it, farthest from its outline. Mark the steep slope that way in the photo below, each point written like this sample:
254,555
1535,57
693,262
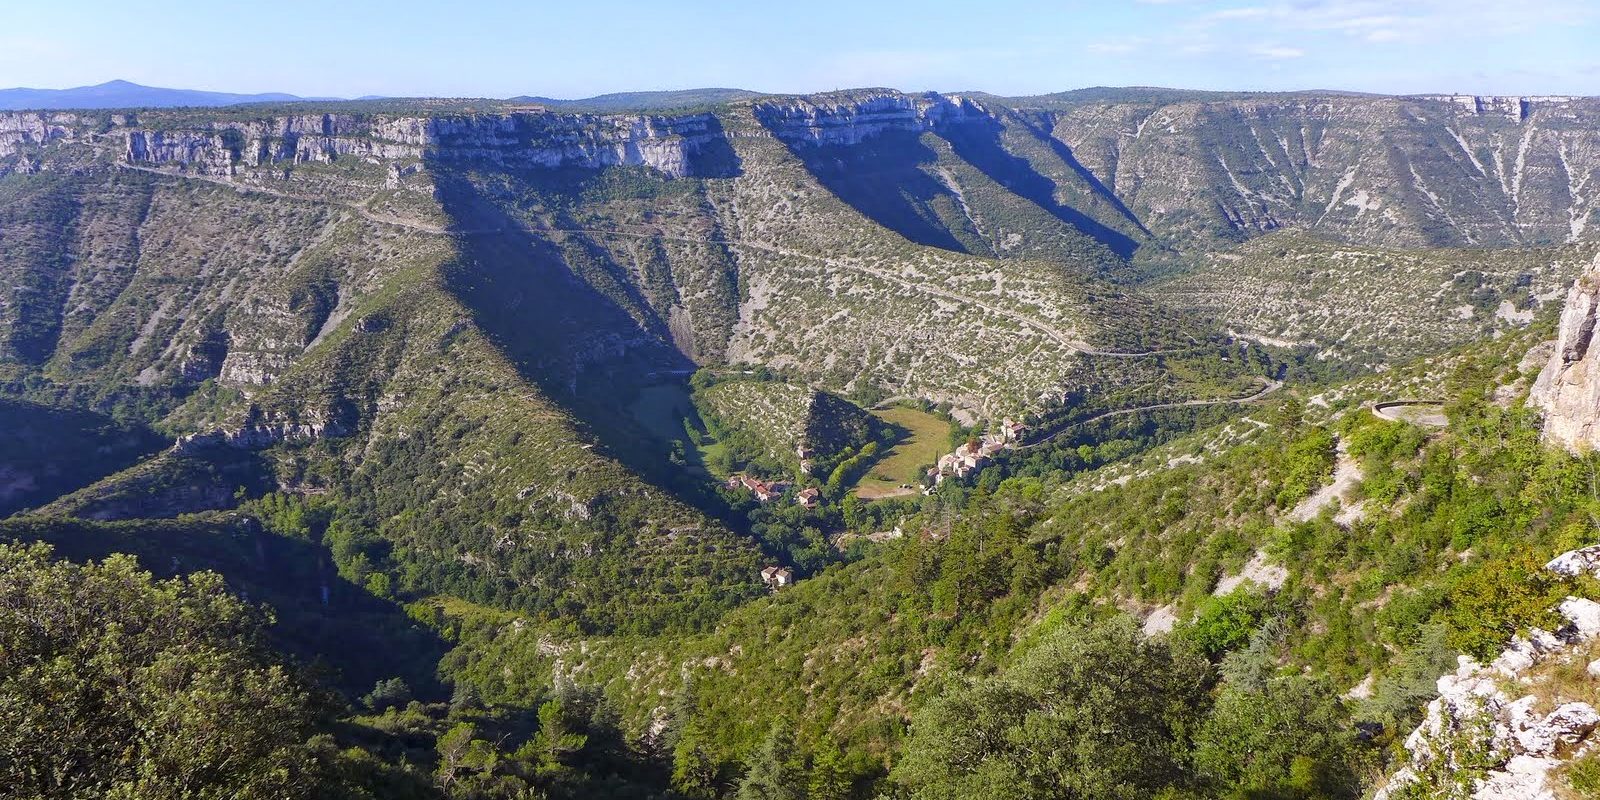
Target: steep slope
1413,171
324,346
409,338
787,418
1567,390
1362,304
699,229
1201,532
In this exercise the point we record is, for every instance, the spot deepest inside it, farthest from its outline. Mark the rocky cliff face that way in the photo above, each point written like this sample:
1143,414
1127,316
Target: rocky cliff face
666,143
855,117
1442,170
19,129
1393,171
1568,388
1517,108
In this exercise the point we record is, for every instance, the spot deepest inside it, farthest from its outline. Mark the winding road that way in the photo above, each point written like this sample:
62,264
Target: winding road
1391,410
1268,387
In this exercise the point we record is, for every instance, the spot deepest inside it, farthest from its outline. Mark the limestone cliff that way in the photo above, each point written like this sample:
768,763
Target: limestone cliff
850,118
667,143
1568,389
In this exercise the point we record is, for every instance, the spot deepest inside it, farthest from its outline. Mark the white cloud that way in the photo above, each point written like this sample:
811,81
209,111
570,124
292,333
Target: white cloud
1246,12
1277,52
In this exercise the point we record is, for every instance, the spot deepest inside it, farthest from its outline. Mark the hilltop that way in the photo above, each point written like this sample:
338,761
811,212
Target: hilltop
123,94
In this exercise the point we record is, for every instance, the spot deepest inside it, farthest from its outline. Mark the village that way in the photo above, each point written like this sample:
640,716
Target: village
973,454
768,491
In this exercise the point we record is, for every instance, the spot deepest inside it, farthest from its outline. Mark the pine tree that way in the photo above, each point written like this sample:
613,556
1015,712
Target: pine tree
828,778
774,771
695,774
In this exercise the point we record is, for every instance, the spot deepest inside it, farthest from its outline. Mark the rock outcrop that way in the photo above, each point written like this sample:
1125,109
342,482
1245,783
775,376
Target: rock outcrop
252,438
1516,108
19,130
1490,746
1568,388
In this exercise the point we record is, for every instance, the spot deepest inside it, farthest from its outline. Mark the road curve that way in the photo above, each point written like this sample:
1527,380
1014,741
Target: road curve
1268,387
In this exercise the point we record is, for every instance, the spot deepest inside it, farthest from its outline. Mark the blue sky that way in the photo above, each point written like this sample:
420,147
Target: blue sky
498,48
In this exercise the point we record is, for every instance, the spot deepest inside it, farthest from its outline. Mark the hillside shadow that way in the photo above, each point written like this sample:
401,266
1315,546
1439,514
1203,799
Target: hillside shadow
350,636
978,143
882,178
540,301
33,437
713,156
1104,192
590,351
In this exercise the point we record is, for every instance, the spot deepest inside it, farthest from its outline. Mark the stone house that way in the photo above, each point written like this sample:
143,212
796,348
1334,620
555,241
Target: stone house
810,497
1012,431
777,577
765,492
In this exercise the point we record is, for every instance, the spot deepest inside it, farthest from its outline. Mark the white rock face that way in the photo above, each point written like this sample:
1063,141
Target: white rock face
857,117
1577,562
1568,388
1473,710
1257,571
1515,108
1584,615
1160,621
1567,725
665,143
19,129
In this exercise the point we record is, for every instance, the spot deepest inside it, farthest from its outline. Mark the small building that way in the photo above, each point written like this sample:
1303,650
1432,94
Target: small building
810,497
1012,431
765,492
808,458
777,577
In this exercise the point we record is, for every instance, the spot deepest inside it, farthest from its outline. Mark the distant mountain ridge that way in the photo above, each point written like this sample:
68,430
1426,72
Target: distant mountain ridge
126,94
644,101
123,94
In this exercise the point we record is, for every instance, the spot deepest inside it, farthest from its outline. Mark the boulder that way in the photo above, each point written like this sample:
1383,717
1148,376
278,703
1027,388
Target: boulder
1583,561
1565,726
1584,614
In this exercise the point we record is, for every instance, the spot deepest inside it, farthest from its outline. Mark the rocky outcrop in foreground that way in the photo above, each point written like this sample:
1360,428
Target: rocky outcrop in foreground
1568,388
1482,743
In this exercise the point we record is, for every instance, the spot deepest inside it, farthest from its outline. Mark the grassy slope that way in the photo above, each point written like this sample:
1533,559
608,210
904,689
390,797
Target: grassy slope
927,437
